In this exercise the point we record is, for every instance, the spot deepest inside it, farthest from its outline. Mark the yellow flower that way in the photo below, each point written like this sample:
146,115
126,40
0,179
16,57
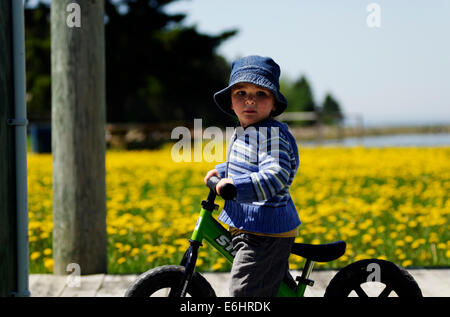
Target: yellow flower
181,242
401,227
371,251
409,239
424,256
35,255
421,241
361,257
219,264
406,263
332,218
343,258
433,238
377,242
48,263
44,235
293,266
399,243
48,251
366,238
123,232
121,260
126,248
134,251
111,230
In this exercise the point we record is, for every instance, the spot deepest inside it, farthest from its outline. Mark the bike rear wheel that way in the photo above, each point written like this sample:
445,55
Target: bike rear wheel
159,281
374,277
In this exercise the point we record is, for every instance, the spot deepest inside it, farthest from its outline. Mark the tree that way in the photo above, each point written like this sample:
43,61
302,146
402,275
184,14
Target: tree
37,43
300,97
331,111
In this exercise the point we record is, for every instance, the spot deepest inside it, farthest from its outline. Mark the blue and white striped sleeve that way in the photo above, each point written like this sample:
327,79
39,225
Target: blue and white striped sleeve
274,172
221,169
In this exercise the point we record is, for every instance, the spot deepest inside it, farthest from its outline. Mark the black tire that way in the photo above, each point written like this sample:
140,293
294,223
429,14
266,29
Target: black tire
168,276
351,277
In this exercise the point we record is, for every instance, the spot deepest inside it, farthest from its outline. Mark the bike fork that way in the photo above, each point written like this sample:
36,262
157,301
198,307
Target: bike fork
189,260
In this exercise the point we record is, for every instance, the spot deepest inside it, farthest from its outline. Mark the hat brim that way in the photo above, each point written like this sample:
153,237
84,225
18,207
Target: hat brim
222,99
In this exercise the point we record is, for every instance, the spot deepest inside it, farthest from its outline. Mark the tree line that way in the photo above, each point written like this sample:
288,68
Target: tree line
300,98
157,70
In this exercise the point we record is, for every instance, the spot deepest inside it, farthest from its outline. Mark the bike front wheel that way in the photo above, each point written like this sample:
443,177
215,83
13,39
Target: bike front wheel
159,281
373,278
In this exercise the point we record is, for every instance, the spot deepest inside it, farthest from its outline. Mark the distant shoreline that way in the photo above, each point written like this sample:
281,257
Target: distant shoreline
140,136
333,132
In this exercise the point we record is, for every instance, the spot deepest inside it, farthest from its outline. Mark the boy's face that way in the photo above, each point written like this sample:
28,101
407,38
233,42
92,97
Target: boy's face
251,103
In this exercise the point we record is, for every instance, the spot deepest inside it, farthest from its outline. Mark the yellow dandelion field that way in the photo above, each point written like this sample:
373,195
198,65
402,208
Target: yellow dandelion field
386,203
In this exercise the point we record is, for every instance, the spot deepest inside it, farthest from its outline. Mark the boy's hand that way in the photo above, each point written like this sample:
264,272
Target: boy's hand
222,182
211,173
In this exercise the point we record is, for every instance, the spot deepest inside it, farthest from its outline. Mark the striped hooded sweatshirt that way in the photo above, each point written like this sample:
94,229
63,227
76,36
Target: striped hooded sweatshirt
262,160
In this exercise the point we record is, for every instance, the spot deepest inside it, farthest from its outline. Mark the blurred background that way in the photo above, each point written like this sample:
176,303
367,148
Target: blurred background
371,79
349,71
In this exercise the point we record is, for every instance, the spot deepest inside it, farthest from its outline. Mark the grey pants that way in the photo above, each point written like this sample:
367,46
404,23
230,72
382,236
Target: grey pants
260,264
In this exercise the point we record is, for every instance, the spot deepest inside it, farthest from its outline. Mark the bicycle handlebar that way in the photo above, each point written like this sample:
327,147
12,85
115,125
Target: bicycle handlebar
228,191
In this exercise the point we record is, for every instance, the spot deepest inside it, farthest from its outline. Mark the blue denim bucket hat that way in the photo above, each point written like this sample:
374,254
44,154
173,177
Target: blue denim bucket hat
257,70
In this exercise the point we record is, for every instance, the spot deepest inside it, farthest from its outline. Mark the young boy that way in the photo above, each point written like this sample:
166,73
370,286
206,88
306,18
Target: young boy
262,160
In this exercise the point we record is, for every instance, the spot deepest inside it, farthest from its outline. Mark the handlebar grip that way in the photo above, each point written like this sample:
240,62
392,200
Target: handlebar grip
228,191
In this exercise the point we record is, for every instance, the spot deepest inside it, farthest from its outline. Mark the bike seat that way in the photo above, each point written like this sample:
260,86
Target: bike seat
319,252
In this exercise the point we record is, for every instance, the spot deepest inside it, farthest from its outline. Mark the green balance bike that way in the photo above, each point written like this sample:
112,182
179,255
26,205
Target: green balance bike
182,280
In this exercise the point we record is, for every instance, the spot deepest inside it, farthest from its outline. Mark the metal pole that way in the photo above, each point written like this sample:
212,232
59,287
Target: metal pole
20,123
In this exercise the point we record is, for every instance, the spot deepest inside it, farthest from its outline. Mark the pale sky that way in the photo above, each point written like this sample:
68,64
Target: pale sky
397,73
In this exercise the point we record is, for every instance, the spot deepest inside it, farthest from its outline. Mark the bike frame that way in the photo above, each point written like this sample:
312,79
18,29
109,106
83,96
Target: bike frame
209,229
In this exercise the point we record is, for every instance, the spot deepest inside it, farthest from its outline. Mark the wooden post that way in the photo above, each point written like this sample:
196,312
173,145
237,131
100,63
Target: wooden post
7,158
78,136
